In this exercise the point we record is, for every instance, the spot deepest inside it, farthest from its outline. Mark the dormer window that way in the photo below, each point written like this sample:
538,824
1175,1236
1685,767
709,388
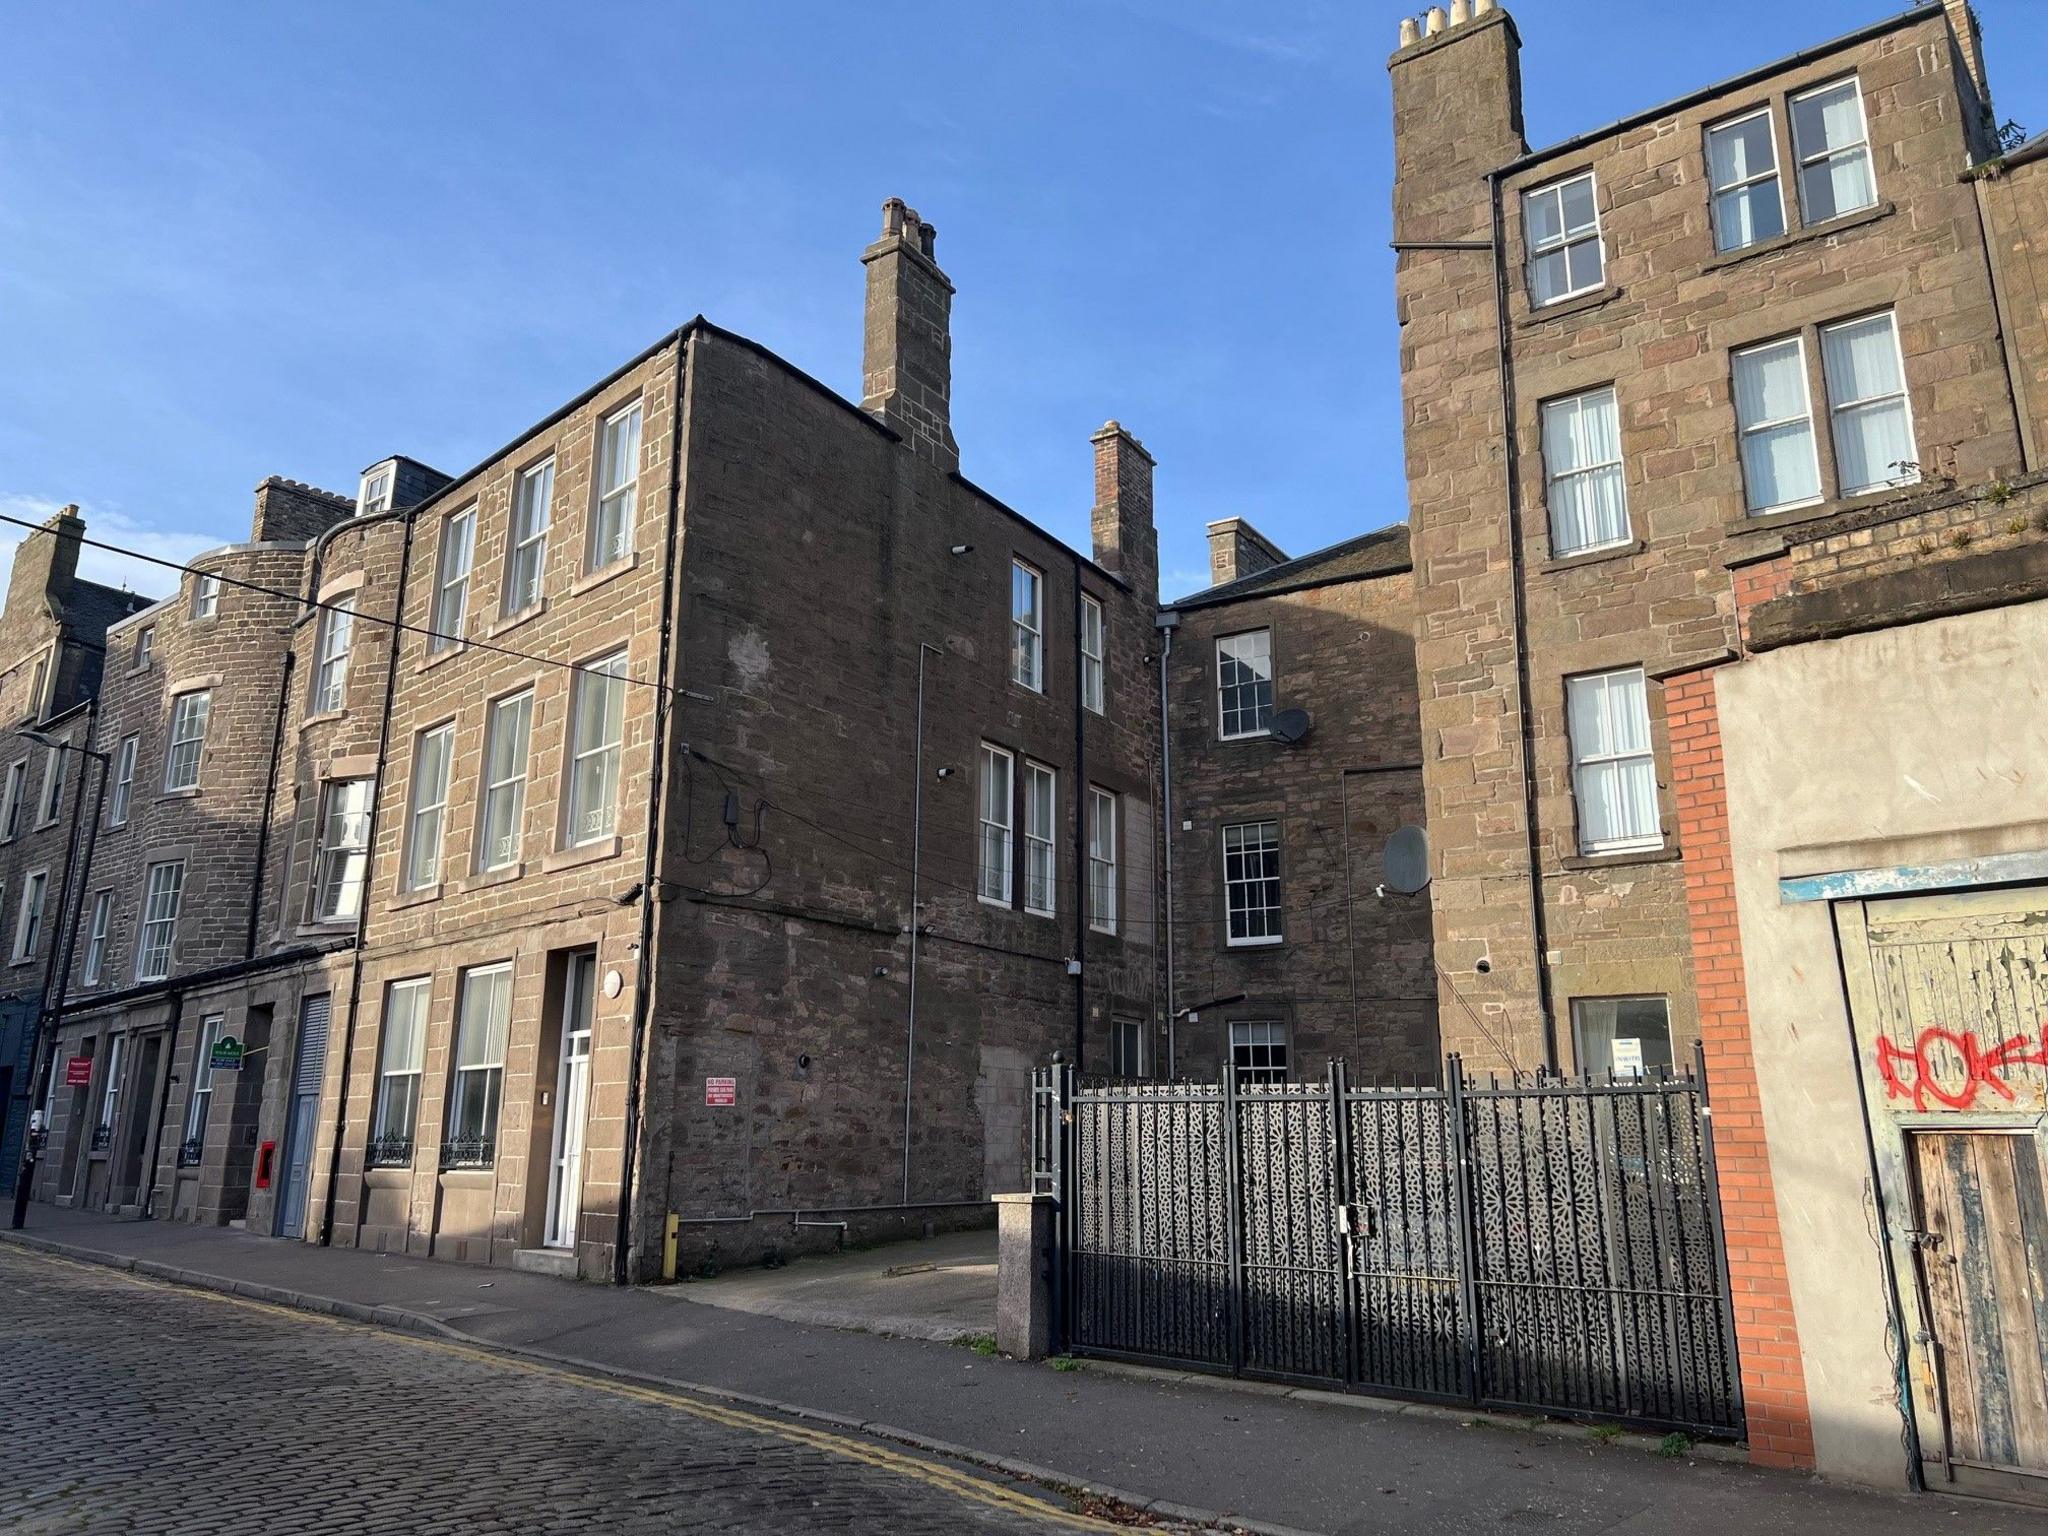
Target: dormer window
375,495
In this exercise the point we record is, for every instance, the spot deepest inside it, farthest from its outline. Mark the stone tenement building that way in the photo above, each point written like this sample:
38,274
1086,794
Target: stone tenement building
52,642
1724,430
710,807
1294,758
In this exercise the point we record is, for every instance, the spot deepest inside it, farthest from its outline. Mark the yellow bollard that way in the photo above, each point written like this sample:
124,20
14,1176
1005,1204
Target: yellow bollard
670,1234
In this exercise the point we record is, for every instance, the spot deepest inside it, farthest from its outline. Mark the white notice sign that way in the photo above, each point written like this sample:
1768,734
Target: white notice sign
1628,1057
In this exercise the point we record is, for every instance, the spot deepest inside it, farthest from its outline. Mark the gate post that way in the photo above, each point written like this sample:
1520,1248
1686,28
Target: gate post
1460,1134
1063,1141
1233,1210
1348,1235
1712,1174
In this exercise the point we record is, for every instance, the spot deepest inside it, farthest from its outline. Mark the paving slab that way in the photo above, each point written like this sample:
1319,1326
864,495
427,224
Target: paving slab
938,1288
1268,1460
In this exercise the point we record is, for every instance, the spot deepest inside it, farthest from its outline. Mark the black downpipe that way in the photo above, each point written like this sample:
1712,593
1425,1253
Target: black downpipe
284,693
644,981
355,969
1510,459
1081,809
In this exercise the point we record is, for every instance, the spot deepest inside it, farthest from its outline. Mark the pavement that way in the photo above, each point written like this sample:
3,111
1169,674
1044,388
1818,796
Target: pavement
1187,1449
942,1289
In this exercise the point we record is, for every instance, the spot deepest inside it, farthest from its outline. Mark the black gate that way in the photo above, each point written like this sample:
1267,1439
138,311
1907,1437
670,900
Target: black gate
1541,1243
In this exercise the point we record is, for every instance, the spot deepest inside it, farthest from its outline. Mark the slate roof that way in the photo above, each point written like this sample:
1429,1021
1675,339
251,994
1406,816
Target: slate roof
92,607
1382,552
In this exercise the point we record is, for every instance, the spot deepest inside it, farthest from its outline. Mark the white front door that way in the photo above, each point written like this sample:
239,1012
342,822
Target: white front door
572,1101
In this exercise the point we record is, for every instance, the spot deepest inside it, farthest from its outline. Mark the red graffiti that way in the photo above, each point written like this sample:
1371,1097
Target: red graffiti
1910,1075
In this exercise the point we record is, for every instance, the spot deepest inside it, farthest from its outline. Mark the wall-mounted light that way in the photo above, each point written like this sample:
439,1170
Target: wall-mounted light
963,549
945,773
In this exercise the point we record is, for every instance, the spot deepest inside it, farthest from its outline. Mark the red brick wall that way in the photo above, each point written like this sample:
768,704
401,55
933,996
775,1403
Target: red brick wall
1766,1332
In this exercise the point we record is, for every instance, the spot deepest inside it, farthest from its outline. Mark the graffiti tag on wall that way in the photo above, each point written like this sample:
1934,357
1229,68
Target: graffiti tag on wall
1949,1068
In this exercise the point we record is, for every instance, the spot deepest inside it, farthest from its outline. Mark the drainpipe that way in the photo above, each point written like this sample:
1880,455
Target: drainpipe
1167,622
643,986
1080,838
916,911
284,693
163,1104
355,971
1511,479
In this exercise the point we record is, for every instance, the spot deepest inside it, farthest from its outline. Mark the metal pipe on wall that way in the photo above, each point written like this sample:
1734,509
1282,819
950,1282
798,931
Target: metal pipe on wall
1167,622
916,911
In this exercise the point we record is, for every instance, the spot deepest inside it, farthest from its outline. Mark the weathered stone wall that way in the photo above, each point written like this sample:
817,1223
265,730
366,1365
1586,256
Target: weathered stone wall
1660,330
1353,976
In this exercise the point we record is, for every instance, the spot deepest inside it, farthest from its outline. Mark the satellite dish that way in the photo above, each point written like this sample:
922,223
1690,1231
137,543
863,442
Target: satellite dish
1289,726
1406,860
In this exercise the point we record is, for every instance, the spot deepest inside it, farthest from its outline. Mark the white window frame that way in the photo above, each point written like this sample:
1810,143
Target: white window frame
50,798
16,792
1126,1061
191,712
1909,473
994,859
28,917
341,857
1225,689
583,821
205,596
375,492
1092,651
1774,175
157,935
1802,161
1104,814
96,936
145,646
1260,1054
123,790
110,1084
1041,860
1564,241
513,785
199,1103
454,562
526,538
1747,429
1244,838
426,816
493,1015
1554,476
1584,761
394,1074
330,669
1027,626
617,489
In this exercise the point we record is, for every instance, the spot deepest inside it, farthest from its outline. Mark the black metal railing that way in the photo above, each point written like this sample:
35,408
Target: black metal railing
469,1152
190,1150
1536,1243
395,1152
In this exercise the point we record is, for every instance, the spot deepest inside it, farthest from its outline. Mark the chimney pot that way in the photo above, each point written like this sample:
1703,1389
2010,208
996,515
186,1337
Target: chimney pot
1433,21
1461,12
1410,32
1481,8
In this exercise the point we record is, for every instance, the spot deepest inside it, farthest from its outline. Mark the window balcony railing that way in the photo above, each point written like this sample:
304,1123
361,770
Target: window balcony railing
390,1152
469,1152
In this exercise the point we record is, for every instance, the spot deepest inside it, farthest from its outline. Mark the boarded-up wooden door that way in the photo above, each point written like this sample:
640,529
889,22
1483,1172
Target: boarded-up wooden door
1982,1254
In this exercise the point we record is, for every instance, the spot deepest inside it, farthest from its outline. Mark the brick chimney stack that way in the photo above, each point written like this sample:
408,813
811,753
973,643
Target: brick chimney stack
907,371
46,563
1126,542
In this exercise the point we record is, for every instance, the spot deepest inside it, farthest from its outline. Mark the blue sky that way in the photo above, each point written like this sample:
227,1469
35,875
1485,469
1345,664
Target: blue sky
241,240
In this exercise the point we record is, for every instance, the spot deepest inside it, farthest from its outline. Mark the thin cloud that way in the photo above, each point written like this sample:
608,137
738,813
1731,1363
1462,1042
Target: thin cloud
111,527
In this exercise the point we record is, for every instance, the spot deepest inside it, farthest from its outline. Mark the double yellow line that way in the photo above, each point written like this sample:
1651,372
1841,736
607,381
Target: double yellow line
932,1474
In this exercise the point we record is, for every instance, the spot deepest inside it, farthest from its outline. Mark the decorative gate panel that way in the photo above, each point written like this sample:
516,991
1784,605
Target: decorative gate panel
1541,1243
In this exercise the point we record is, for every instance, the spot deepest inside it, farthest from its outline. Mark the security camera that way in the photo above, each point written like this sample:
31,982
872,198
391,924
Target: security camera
1482,965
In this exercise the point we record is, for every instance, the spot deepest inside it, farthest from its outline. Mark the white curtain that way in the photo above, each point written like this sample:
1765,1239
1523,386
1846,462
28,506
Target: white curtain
1832,120
1779,465
1873,434
1616,771
1582,447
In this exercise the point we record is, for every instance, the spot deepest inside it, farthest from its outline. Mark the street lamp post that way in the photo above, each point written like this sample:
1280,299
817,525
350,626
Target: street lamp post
57,969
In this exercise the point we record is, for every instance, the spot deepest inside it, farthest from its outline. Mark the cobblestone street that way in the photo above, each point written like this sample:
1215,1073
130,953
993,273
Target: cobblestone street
157,1409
